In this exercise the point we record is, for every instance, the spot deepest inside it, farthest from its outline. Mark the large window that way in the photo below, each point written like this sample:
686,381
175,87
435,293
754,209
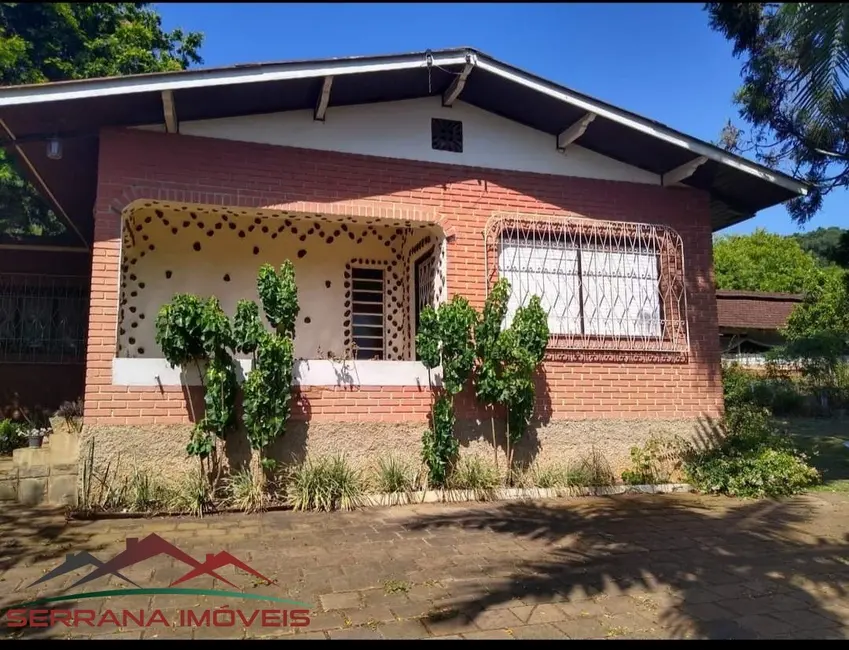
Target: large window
604,285
585,291
42,318
367,312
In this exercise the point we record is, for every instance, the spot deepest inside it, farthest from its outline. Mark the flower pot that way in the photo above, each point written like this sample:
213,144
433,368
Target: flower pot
35,442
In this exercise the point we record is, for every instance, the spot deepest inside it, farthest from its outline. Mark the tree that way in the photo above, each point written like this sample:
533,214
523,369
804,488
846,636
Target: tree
762,261
42,42
828,245
796,57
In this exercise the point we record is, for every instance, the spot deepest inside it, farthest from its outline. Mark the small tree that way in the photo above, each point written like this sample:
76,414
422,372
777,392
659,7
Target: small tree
488,385
191,331
268,387
445,337
508,359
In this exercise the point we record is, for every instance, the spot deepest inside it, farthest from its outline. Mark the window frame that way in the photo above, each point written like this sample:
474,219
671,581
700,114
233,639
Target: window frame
351,344
584,235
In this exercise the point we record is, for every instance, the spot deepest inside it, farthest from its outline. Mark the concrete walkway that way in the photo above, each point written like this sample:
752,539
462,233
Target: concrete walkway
675,566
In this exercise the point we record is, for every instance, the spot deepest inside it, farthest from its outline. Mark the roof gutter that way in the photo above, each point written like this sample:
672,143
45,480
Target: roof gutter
110,87
645,126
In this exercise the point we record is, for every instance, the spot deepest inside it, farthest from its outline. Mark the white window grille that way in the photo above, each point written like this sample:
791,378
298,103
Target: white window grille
367,312
42,318
604,285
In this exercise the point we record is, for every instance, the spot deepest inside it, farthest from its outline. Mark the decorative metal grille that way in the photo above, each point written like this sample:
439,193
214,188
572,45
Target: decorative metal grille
42,318
606,286
367,312
446,135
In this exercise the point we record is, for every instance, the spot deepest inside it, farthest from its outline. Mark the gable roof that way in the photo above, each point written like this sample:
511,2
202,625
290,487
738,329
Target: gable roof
76,110
754,310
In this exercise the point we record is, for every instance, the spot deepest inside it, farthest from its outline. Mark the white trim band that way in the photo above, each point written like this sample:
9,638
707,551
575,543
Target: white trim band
308,372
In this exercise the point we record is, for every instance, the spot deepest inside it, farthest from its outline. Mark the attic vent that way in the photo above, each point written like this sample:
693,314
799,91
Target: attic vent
446,135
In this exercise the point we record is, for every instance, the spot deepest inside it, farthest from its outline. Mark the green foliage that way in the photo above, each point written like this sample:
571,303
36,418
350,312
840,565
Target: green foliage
60,41
246,492
754,459
267,391
393,476
328,483
216,332
439,446
509,358
179,330
655,462
474,473
193,494
247,327
191,330
762,261
793,94
445,337
488,386
829,245
12,437
220,395
279,296
591,470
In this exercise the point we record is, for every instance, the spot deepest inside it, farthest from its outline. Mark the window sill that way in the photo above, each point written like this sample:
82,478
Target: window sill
308,372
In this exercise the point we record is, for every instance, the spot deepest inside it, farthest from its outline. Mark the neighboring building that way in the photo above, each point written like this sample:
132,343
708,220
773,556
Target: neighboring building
408,179
750,323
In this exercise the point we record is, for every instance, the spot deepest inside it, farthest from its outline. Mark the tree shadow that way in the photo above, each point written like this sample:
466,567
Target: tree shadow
726,569
29,536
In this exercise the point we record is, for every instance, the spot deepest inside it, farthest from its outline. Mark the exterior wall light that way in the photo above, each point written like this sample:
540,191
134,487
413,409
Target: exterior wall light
54,149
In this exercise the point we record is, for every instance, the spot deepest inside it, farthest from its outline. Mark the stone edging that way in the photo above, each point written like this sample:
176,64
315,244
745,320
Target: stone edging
513,494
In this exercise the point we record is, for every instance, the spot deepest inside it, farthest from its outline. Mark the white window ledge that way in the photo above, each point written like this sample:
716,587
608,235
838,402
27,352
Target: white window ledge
308,372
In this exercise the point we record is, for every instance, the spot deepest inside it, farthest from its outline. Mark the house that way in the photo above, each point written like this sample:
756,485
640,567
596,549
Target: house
750,323
409,178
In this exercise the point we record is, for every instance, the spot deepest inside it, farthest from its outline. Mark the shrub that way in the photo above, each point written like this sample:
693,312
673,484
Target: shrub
244,491
328,483
193,494
653,463
12,437
547,476
143,492
474,473
393,476
755,459
591,470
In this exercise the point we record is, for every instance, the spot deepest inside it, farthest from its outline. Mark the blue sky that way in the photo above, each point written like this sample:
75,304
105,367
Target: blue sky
659,60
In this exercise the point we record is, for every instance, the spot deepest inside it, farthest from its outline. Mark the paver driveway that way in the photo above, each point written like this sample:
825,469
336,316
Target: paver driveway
628,566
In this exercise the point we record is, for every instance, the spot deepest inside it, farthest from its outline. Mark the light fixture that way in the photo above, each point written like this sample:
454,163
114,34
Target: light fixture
54,149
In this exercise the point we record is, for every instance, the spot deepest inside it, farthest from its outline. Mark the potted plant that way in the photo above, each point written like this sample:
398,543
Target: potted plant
36,437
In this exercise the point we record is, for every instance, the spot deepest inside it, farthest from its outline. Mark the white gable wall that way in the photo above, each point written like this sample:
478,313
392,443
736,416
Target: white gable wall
403,130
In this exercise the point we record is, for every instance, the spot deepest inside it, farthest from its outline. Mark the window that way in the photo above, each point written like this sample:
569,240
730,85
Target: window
367,312
585,289
42,318
608,287
424,271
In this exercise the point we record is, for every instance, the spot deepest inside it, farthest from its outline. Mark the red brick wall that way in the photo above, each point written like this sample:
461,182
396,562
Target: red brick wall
145,165
43,385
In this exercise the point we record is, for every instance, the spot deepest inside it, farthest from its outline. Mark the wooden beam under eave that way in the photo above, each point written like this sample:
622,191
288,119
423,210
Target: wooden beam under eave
682,172
323,100
456,87
169,111
574,132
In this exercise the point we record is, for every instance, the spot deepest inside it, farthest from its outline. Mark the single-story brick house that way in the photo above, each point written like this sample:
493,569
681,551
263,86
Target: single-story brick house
420,176
750,323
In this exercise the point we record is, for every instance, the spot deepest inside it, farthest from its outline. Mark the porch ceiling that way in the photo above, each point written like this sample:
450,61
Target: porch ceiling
76,111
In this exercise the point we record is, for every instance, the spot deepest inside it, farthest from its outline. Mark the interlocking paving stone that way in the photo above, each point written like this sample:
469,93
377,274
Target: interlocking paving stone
675,566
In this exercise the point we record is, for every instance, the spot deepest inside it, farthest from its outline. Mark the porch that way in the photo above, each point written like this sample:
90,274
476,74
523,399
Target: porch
362,282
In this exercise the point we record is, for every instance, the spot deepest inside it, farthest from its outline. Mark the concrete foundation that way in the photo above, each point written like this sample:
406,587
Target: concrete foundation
161,449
